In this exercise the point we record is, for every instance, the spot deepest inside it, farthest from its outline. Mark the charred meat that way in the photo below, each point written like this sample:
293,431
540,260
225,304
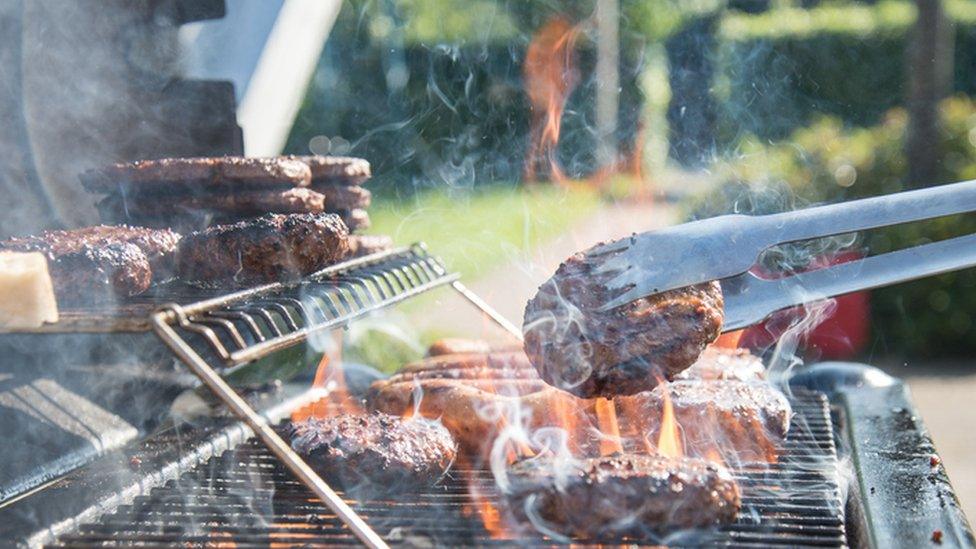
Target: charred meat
717,363
458,345
623,494
246,203
588,352
167,174
345,197
355,219
336,170
740,421
103,262
471,392
367,244
376,450
269,248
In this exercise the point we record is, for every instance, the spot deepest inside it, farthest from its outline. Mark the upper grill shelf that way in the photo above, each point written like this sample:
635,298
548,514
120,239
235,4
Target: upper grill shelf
244,326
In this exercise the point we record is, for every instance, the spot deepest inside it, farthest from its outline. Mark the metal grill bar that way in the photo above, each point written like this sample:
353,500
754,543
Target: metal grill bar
246,498
245,326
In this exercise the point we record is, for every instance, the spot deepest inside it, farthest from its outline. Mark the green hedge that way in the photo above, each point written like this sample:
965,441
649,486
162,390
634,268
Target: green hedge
828,162
451,113
780,69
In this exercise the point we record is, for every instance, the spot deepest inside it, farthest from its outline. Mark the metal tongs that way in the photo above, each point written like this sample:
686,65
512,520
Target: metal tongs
725,248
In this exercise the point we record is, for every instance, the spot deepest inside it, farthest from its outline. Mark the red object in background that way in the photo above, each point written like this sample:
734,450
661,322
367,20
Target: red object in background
842,335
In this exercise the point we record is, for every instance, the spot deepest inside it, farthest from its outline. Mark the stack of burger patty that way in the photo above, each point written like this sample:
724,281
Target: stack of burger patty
190,194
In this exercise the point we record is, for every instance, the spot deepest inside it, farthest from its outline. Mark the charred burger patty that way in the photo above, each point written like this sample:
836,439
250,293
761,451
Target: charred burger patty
588,352
623,493
269,248
378,450
102,262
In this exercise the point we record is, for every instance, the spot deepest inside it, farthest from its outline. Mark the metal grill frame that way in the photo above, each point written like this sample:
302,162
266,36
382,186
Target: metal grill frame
289,313
245,326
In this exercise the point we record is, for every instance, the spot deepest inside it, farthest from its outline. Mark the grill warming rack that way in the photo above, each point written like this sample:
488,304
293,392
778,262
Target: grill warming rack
245,498
214,336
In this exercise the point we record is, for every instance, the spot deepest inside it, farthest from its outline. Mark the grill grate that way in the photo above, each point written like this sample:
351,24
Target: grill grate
245,498
245,326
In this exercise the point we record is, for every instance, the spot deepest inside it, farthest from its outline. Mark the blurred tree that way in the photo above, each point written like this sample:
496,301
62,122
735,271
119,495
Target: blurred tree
692,112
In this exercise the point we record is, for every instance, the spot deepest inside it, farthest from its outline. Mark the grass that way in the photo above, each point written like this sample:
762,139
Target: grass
474,231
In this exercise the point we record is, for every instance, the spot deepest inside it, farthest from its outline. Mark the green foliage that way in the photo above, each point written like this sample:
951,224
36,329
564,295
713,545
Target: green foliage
457,21
781,69
437,109
851,19
381,345
889,17
828,162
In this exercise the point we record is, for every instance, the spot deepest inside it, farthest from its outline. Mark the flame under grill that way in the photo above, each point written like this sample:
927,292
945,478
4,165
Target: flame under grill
245,498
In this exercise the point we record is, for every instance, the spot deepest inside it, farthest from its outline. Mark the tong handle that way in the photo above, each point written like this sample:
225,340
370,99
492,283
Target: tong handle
871,213
749,299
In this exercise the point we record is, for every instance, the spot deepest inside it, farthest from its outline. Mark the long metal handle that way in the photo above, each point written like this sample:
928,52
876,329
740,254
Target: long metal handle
871,213
749,299
260,426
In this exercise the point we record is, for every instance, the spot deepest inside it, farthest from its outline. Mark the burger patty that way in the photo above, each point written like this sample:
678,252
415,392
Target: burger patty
269,248
362,244
720,363
738,420
177,173
623,494
375,450
354,219
242,203
97,263
345,197
332,170
472,393
588,352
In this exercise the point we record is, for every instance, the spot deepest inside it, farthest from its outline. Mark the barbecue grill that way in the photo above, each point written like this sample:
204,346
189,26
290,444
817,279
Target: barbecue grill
857,469
95,458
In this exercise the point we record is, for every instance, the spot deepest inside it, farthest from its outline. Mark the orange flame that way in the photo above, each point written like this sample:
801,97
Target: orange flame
669,439
606,414
331,380
550,77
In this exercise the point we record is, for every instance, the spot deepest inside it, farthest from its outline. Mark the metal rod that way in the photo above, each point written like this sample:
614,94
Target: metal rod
260,426
284,341
484,307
